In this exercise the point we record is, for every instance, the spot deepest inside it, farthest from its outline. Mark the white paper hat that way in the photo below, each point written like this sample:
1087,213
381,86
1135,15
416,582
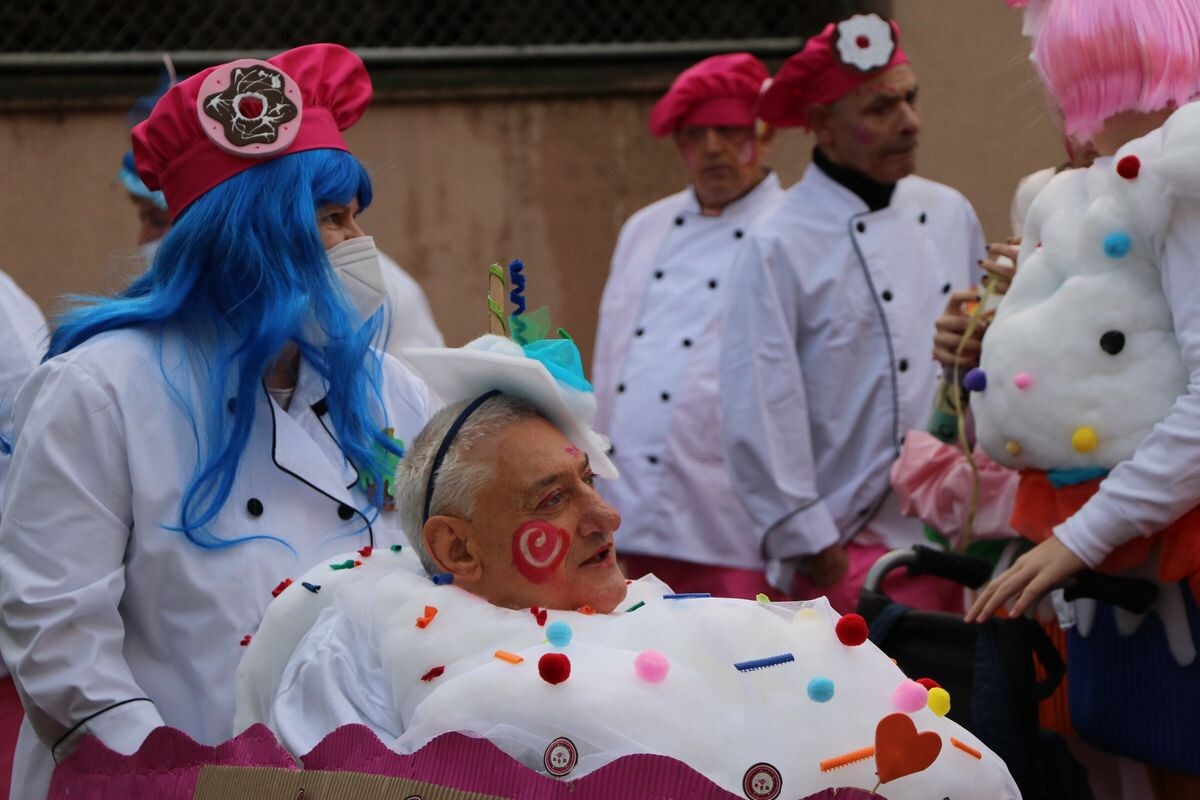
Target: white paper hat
497,362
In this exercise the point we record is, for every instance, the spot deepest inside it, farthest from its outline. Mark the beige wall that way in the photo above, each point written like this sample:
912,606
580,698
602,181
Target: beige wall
460,184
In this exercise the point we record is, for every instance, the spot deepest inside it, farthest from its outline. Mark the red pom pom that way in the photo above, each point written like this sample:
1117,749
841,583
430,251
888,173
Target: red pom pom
366,551
929,683
851,630
1129,167
554,667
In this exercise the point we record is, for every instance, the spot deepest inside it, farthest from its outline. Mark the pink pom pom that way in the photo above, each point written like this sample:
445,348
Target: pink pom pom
910,696
1023,380
651,666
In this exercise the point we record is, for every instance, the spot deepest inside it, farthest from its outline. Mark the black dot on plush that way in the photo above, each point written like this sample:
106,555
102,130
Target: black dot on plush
1112,342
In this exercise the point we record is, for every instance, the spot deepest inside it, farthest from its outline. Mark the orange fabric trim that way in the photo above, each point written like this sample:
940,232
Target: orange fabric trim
1040,507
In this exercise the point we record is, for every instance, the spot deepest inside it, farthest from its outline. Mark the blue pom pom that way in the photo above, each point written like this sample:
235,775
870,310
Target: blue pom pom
820,690
1117,245
975,380
559,634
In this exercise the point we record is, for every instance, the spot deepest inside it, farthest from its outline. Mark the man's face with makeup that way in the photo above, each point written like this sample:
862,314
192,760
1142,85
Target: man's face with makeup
541,533
873,129
723,161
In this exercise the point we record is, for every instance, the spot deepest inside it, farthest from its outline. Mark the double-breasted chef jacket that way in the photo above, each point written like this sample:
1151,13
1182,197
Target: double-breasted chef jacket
655,374
826,355
114,624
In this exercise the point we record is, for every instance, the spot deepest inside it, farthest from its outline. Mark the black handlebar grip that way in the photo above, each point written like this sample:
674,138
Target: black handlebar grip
970,571
1131,594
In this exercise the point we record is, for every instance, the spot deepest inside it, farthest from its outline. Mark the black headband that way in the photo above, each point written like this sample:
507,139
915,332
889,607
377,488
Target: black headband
448,440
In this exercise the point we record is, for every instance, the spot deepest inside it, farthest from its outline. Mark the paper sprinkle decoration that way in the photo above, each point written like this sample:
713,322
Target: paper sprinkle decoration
443,579
283,584
511,658
635,606
312,587
246,640
837,762
347,564
687,596
433,673
966,748
396,548
366,551
539,614
763,663
900,750
430,613
762,598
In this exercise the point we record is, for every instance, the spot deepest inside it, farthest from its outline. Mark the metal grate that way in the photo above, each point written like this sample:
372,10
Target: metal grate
90,31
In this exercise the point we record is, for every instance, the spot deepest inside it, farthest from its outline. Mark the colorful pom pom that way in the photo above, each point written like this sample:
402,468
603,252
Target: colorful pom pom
851,630
558,633
1013,448
929,683
820,690
910,696
651,666
1129,167
939,701
554,667
1084,440
975,380
806,615
762,598
1117,245
1023,380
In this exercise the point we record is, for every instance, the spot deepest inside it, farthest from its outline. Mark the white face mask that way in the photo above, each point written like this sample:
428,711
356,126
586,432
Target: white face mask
147,251
356,262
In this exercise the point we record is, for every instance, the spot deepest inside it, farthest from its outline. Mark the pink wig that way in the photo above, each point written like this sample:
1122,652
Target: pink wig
1102,57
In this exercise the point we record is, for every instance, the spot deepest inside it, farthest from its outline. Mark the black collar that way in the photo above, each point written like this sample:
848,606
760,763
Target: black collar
875,194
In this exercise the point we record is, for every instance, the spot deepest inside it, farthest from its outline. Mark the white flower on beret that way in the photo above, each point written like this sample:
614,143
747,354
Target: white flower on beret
865,42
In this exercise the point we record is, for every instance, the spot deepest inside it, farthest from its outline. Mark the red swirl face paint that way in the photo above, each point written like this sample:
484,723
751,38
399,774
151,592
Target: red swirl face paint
538,548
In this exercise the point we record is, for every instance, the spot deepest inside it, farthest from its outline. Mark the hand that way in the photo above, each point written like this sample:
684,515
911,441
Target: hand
828,566
950,328
1000,273
1032,575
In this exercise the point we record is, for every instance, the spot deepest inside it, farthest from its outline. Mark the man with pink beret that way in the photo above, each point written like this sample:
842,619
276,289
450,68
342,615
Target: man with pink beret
657,344
824,362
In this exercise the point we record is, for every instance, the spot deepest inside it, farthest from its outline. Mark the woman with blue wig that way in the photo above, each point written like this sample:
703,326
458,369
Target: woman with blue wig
220,426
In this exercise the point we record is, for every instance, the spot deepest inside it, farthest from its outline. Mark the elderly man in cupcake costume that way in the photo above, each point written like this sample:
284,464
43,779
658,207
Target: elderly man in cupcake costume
824,360
658,338
528,635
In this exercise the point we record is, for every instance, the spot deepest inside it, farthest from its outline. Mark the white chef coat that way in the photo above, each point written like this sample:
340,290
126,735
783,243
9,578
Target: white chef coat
825,359
408,311
23,339
114,624
655,374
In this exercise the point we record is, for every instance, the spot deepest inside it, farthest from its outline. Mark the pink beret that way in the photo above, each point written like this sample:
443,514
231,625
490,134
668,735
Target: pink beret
228,118
832,64
721,90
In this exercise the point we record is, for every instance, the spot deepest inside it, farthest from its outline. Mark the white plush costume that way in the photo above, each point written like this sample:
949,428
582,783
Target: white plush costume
367,660
1087,362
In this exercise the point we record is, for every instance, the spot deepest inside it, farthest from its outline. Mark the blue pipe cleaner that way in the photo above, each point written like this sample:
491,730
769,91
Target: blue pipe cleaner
516,278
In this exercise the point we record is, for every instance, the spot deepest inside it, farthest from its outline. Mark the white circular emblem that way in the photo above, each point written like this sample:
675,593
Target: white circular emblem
865,42
762,782
561,757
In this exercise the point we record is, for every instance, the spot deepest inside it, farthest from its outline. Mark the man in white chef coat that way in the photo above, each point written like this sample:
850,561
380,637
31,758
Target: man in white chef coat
825,344
657,341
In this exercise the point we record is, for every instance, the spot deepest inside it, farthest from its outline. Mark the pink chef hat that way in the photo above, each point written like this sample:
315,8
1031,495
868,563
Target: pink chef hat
228,118
720,90
836,62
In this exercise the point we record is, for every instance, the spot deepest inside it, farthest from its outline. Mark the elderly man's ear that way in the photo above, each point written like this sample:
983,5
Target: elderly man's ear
448,541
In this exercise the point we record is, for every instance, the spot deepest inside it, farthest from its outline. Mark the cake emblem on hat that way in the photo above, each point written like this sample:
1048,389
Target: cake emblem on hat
865,42
246,107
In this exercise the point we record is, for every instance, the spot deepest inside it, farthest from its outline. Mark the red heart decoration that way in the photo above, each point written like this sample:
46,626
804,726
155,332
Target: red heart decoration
900,750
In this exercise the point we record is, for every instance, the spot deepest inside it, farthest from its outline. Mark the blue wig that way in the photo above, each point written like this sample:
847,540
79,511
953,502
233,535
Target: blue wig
244,268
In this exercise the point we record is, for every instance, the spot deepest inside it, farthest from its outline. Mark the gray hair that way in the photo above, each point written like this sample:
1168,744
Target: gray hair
459,479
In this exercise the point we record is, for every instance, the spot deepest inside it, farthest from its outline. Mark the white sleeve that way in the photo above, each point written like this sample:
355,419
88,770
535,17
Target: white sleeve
1161,481
66,526
334,678
407,313
764,409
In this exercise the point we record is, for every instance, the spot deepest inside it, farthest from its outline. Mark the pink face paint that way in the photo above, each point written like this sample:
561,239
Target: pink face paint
863,136
538,548
573,451
748,152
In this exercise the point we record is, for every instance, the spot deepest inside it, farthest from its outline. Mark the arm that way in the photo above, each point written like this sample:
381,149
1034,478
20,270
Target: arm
764,410
65,529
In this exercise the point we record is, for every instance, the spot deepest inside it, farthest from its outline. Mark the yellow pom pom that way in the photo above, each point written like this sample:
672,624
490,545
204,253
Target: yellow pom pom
1084,440
939,701
762,598
806,614
1013,447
